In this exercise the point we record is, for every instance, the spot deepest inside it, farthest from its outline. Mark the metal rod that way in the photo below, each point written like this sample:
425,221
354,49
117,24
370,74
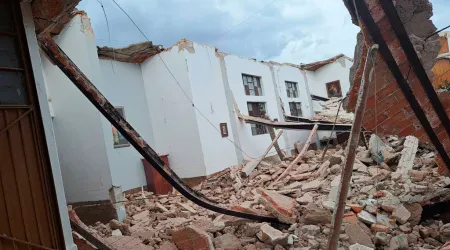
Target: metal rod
351,148
58,57
332,130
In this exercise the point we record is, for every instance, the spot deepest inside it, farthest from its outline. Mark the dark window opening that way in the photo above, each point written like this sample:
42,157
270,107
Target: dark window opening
296,109
291,89
257,109
252,85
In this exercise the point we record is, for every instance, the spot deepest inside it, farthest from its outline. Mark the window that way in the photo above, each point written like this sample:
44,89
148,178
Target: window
257,109
291,89
334,89
252,85
224,129
296,108
118,139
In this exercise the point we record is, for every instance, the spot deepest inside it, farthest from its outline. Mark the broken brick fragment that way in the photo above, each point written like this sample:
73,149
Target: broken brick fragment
279,205
192,238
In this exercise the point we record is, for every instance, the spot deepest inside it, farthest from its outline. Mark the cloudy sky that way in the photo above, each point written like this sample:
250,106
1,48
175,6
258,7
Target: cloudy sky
295,31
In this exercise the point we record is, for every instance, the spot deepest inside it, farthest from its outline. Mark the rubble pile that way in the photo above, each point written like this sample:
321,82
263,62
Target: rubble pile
329,111
384,205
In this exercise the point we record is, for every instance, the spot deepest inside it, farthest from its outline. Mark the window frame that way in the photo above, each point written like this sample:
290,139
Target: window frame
253,89
121,144
295,87
257,129
298,108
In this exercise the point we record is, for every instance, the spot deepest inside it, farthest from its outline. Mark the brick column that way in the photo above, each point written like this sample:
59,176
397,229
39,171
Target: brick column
388,112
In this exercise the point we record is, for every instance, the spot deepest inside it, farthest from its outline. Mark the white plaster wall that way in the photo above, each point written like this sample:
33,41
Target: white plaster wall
285,73
123,86
47,123
253,145
339,70
174,121
77,123
208,92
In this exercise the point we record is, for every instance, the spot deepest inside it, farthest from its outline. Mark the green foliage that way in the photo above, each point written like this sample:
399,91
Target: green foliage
445,85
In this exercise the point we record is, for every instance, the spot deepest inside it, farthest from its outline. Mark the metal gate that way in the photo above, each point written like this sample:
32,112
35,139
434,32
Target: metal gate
28,213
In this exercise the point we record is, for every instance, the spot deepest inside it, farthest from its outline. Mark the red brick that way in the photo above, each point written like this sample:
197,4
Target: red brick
279,205
192,238
419,133
371,4
407,131
390,89
397,107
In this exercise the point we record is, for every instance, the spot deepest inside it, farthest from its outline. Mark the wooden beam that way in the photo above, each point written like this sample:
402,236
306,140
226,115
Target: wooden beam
351,148
252,164
299,156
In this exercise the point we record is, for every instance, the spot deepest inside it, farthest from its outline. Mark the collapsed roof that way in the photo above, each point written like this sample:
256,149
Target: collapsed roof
134,53
319,64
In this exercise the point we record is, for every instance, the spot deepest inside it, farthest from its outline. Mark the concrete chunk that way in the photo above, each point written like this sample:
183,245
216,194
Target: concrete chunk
272,236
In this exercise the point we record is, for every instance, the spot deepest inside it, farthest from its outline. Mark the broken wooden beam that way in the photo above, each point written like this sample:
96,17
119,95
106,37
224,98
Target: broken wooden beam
353,141
252,164
294,125
299,156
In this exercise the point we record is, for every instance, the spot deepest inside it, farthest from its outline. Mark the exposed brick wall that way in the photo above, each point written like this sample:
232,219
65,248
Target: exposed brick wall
387,110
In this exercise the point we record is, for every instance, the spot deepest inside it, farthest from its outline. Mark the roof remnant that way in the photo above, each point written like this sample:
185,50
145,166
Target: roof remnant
52,15
134,53
319,64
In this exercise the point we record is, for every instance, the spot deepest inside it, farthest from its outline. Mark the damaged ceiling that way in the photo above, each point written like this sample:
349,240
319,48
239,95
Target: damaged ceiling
134,53
319,64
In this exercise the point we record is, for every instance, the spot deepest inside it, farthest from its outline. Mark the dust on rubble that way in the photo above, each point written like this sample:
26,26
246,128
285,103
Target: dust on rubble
384,206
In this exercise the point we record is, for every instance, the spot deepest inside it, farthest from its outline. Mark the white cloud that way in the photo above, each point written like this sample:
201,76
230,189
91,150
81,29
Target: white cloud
292,31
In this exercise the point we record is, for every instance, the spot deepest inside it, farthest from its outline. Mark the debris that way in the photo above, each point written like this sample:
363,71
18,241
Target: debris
366,217
272,236
228,242
191,238
401,214
399,242
382,238
254,163
360,247
279,205
357,235
408,153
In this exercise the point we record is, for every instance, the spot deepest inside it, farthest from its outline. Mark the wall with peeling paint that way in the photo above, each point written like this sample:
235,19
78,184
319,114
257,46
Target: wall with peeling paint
123,85
174,120
77,123
209,96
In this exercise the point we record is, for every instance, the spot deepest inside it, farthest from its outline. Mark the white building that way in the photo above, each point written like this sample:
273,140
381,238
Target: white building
157,97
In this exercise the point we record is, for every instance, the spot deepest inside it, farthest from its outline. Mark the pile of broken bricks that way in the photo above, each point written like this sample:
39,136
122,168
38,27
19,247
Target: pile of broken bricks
330,109
391,183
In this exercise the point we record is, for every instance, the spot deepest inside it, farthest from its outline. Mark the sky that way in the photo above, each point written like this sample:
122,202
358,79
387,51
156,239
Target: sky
293,31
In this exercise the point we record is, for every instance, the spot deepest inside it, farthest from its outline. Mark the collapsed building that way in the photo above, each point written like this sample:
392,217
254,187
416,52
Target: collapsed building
398,202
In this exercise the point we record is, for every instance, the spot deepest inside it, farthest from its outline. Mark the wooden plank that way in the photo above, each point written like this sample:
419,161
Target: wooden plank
9,183
39,201
299,156
22,177
248,168
4,216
